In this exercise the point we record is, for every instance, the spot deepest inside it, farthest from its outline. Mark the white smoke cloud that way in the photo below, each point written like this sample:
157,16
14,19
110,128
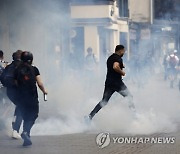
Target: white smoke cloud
72,95
157,110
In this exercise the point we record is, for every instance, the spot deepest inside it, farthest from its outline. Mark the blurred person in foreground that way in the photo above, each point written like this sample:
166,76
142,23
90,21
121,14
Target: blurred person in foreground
26,77
11,89
2,92
3,65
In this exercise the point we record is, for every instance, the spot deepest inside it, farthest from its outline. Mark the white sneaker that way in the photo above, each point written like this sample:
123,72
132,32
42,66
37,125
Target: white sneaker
16,135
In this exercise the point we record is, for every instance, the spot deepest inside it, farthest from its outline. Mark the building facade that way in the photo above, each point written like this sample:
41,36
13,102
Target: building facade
96,25
55,29
138,24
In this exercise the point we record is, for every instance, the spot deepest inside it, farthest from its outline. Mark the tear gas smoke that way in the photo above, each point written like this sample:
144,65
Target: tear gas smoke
72,93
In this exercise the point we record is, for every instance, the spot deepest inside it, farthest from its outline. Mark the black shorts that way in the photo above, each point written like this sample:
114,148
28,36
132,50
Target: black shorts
117,86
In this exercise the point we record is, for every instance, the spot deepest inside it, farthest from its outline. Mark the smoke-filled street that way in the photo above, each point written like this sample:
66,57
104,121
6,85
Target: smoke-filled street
157,107
88,76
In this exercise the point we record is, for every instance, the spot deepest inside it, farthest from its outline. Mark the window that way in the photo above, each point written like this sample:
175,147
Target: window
123,8
167,10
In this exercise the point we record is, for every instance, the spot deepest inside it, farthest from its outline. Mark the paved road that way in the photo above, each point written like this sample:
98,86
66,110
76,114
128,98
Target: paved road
86,144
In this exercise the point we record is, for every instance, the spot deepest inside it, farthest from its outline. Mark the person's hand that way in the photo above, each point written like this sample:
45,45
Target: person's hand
123,73
45,92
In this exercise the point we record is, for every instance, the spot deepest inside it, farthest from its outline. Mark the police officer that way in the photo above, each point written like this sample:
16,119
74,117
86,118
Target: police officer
27,76
114,81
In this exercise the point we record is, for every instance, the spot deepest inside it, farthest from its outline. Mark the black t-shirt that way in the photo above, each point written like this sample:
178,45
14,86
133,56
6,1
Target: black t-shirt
113,78
36,71
27,82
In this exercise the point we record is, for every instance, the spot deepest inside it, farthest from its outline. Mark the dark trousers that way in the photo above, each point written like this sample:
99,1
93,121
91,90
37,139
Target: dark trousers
2,94
108,91
13,96
29,114
16,124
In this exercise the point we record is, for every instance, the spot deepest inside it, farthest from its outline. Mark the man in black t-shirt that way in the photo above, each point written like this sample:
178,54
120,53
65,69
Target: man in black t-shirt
26,77
114,81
